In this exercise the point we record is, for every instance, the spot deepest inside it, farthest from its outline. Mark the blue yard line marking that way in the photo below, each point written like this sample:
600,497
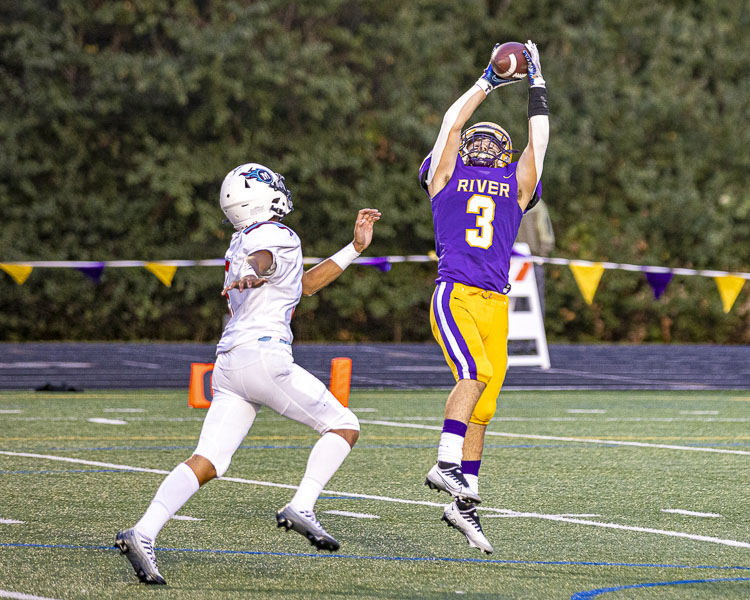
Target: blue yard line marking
551,563
593,593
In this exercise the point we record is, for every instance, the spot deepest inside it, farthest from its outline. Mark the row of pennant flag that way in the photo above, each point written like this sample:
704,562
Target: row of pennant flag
587,274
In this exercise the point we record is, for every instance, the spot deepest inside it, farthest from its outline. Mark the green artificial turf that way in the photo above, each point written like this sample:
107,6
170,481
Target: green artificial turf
570,515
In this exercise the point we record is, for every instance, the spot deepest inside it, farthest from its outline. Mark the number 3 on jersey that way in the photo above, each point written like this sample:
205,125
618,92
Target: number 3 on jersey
484,208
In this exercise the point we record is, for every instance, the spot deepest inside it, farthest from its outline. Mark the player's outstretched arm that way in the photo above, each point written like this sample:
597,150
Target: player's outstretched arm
327,271
257,262
530,164
445,150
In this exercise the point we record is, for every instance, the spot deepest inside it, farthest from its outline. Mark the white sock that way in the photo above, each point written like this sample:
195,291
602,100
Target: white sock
473,481
451,448
174,491
325,459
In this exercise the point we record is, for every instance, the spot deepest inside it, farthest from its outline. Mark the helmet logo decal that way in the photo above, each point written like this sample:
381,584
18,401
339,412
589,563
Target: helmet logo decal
258,174
253,193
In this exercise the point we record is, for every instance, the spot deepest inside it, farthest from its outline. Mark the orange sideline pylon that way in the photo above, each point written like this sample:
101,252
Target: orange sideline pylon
200,393
341,378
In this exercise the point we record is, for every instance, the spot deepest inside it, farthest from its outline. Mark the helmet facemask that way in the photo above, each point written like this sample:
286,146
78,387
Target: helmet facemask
486,145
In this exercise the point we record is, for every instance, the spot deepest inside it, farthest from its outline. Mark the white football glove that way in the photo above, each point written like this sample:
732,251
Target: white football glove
534,66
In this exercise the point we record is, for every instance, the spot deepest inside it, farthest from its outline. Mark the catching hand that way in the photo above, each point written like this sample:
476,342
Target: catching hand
490,80
363,228
534,66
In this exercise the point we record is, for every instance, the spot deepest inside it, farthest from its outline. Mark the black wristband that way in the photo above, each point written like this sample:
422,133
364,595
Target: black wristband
538,101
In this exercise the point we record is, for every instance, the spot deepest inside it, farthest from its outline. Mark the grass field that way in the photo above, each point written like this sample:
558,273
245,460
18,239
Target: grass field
580,491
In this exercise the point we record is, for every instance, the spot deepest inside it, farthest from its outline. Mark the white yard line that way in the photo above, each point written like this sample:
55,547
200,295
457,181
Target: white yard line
567,439
12,416
155,419
516,515
80,461
700,538
559,518
19,596
580,419
185,518
690,513
10,522
103,421
125,410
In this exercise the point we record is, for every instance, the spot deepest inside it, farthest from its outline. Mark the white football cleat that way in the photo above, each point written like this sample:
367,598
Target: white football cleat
463,516
139,550
305,523
449,478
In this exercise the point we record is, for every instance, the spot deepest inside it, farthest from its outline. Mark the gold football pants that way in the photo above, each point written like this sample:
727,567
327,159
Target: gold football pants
471,326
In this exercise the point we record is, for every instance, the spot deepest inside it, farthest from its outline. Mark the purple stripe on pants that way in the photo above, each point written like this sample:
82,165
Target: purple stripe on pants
449,329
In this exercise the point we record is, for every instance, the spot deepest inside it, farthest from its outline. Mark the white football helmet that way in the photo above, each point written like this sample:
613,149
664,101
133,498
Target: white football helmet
252,193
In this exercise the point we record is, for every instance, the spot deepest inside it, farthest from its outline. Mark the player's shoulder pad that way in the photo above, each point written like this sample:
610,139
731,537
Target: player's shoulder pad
269,233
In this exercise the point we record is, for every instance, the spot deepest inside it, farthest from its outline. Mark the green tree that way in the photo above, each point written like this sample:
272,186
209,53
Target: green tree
120,119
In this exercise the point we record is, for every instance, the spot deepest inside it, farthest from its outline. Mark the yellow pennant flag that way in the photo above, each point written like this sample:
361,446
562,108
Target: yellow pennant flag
587,278
164,273
19,273
729,288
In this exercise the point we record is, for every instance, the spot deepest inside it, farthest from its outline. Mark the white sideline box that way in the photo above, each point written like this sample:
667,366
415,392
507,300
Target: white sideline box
525,319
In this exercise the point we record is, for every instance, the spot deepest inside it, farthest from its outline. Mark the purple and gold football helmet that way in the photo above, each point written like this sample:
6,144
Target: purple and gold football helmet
486,144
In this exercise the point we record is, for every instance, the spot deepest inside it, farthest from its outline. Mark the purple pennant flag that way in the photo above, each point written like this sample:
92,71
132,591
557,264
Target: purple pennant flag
94,272
659,282
379,262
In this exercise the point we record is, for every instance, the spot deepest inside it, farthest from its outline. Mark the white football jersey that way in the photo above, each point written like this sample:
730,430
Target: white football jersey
265,311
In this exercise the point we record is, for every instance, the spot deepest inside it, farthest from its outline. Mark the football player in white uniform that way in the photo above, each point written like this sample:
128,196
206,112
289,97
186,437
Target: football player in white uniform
254,365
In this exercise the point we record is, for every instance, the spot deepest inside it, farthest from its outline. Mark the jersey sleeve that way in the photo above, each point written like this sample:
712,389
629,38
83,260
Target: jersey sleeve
272,237
535,198
423,170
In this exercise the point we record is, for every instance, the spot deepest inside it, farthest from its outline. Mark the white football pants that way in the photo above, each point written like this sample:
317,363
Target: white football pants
263,374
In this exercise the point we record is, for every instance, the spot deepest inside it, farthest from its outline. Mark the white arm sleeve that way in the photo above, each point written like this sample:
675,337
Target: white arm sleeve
539,139
449,120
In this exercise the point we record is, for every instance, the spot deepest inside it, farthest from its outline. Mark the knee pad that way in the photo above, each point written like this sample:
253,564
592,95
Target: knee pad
225,426
486,405
345,419
483,414
213,453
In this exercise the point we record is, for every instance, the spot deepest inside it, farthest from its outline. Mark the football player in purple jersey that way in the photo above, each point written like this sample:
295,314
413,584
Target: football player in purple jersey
478,197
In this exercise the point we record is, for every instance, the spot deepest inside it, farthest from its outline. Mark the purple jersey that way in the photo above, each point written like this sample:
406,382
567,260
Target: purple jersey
476,218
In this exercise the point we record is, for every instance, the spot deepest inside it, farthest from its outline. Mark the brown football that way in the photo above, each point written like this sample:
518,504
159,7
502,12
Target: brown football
508,60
